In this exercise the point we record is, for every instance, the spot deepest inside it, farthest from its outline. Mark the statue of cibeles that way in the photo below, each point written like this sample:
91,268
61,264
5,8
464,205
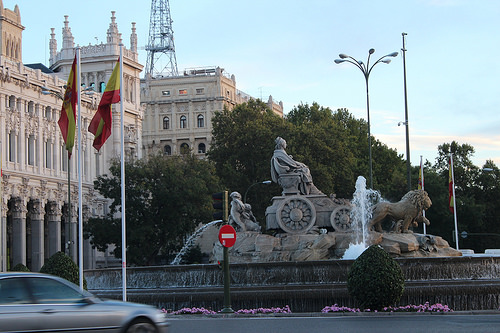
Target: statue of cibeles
241,214
291,175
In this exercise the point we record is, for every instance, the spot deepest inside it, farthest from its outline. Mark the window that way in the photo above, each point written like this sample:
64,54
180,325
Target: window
31,150
183,92
183,122
13,291
48,291
166,123
201,148
200,91
48,113
184,148
12,102
64,158
12,146
102,87
48,154
165,93
167,150
31,108
201,121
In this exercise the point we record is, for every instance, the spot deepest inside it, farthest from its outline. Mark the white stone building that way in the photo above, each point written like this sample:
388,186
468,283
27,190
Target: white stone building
34,188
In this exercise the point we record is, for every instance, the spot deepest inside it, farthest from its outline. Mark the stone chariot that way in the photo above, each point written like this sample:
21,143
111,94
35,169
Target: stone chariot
302,206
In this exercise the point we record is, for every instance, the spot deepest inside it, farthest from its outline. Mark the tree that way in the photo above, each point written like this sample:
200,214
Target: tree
375,280
476,198
166,198
243,143
320,141
332,144
60,264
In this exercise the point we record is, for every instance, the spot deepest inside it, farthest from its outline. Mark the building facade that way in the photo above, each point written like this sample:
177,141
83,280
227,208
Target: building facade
34,220
178,110
39,192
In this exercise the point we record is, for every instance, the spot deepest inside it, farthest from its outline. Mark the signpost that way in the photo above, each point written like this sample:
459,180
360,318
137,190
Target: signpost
227,237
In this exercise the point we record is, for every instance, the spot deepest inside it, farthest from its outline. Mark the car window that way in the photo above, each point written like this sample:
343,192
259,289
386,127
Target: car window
52,291
13,291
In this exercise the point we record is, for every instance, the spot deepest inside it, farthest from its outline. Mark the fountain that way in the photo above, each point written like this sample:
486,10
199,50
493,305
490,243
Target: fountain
191,241
298,266
362,201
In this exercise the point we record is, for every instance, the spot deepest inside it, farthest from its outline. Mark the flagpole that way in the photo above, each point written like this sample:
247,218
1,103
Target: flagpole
124,238
80,213
423,188
454,201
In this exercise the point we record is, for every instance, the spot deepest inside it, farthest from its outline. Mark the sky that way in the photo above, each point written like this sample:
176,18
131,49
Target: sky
287,48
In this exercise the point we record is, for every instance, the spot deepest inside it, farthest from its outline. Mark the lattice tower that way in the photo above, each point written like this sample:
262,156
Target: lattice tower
161,59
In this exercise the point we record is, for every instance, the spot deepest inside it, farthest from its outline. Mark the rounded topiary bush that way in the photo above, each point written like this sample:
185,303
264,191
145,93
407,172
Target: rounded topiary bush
20,268
375,279
63,266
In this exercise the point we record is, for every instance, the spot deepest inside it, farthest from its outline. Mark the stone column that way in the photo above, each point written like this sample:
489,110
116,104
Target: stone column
37,235
74,230
70,229
54,220
18,210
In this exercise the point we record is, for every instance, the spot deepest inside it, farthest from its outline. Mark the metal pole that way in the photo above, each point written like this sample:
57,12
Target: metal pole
122,167
369,134
69,243
227,281
80,202
454,201
225,265
408,166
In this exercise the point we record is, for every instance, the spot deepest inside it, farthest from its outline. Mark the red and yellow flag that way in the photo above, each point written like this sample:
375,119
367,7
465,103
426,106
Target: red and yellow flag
450,186
100,125
67,120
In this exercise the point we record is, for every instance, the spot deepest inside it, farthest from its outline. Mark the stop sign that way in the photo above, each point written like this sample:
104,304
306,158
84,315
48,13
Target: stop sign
227,235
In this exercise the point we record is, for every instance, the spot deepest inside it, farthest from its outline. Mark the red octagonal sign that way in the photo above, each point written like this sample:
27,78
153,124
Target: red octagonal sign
227,235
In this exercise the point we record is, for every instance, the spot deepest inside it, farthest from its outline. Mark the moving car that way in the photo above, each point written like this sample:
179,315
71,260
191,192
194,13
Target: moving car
35,302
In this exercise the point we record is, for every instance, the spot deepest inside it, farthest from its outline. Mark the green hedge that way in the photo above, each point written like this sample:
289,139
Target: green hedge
375,279
63,266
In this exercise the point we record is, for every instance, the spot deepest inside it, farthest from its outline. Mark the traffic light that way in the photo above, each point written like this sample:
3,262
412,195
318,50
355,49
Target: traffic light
221,205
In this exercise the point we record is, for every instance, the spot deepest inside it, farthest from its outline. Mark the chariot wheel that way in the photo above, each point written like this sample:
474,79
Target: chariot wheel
341,219
296,215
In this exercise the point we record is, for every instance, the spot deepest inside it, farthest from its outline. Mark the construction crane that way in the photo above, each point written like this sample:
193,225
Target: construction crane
161,59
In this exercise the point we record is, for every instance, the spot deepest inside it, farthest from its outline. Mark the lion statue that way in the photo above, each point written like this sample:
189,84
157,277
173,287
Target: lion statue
408,211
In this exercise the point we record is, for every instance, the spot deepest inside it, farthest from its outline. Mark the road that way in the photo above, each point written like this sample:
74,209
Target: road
425,323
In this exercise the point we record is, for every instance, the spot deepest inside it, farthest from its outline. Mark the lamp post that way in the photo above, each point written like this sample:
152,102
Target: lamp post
408,166
366,70
263,182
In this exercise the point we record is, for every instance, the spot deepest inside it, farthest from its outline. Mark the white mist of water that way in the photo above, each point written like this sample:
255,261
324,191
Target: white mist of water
361,214
190,242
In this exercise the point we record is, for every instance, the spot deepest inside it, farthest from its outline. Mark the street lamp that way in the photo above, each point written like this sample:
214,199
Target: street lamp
366,70
264,182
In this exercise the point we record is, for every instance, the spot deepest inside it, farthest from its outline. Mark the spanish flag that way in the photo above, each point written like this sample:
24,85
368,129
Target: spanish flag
100,125
67,120
450,186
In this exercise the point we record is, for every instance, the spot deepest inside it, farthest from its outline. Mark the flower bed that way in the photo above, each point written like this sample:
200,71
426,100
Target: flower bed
333,308
409,308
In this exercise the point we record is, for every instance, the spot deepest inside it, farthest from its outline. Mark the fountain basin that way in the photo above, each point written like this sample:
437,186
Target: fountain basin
462,283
